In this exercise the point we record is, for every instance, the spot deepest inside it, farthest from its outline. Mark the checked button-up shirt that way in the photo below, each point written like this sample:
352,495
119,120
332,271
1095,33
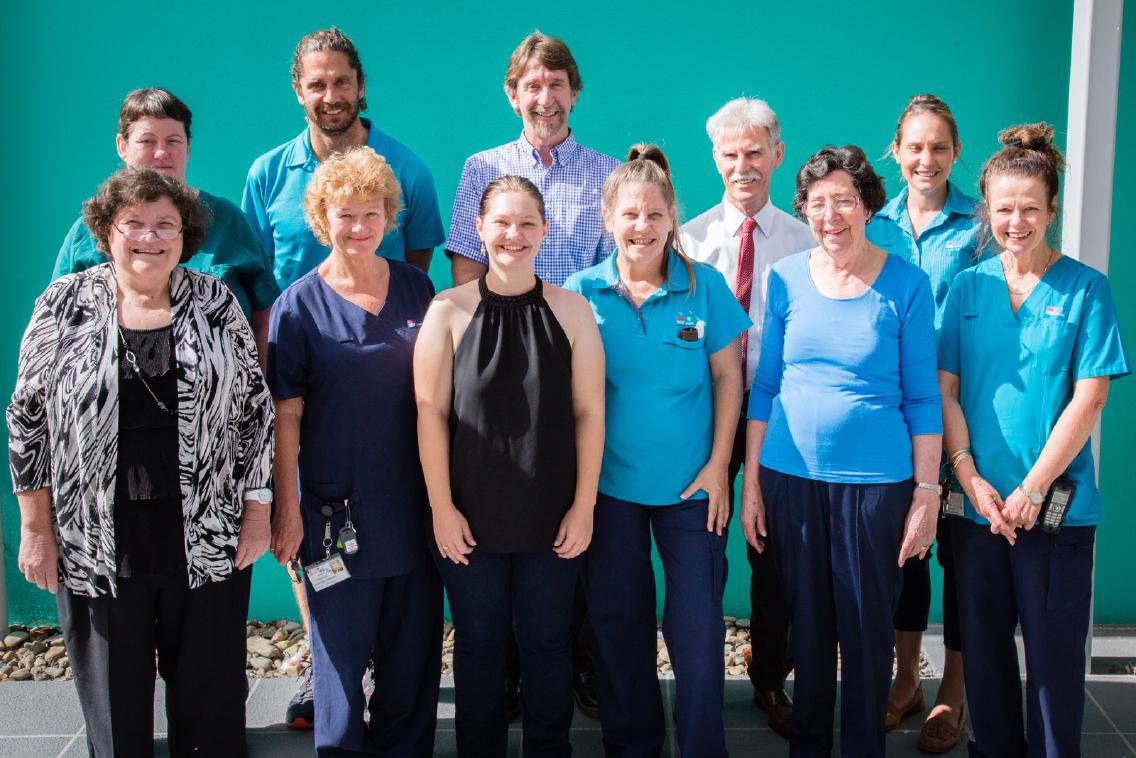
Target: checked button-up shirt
572,187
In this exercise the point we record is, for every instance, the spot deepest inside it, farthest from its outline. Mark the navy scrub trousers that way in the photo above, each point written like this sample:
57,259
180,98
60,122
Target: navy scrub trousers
396,622
620,581
842,582
1044,583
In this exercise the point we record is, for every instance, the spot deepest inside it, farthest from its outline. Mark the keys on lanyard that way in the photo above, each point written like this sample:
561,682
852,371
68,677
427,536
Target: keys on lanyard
347,539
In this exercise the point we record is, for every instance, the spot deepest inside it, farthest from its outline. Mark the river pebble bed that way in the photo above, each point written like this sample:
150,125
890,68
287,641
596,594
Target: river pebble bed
280,649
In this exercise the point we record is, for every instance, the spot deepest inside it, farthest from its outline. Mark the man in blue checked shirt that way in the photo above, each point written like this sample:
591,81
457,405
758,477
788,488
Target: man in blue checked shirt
542,84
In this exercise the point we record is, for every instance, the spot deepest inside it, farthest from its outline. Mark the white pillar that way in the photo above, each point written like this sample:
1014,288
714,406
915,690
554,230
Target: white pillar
1090,148
1094,75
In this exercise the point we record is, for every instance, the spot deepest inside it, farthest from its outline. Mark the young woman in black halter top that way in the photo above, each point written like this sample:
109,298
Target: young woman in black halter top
509,375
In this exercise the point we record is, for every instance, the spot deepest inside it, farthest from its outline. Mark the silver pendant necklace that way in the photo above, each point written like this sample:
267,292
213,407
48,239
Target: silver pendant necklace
132,361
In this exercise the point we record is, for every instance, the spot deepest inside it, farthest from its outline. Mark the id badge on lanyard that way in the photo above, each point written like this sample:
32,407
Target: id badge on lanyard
332,570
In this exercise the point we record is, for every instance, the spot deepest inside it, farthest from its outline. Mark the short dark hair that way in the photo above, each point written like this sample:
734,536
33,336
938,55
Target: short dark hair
550,52
850,159
135,186
327,40
152,102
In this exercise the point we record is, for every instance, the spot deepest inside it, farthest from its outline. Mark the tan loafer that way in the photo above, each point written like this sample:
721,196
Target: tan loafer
941,732
896,715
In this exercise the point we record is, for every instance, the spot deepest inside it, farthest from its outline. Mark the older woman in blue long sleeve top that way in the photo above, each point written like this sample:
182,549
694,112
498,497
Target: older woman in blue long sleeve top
846,422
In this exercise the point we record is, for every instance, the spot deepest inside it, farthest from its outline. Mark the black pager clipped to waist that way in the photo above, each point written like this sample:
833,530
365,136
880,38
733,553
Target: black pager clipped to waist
1056,505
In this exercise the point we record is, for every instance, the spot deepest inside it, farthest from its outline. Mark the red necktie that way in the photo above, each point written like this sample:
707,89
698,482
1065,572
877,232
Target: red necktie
744,286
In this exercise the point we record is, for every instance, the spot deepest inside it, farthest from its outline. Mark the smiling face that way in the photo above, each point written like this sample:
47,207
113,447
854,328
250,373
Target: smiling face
356,225
149,259
641,222
1019,213
512,229
543,99
157,143
330,91
925,152
746,161
839,232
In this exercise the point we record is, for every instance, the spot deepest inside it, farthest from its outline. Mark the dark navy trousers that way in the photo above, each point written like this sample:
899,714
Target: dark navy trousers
1044,583
839,551
397,623
620,582
496,596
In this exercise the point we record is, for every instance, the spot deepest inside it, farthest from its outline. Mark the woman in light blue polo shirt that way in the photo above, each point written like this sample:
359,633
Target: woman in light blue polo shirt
930,223
1028,345
670,331
845,420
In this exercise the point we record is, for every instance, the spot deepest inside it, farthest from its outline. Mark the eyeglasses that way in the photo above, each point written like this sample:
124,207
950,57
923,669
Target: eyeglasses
815,209
137,235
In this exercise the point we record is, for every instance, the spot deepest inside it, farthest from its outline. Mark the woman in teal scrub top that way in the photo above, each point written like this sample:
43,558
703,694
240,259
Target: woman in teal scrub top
1028,345
929,223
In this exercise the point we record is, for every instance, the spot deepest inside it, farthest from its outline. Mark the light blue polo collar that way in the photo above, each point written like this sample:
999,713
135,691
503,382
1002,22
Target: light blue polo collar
957,204
678,278
300,153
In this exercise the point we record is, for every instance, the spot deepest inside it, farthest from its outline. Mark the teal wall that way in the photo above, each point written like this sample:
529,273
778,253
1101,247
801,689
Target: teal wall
652,71
1115,603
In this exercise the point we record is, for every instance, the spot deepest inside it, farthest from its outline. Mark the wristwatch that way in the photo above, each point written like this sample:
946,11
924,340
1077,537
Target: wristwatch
936,488
1035,497
262,495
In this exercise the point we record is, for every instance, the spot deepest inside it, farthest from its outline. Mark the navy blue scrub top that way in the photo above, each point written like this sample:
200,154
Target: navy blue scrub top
358,433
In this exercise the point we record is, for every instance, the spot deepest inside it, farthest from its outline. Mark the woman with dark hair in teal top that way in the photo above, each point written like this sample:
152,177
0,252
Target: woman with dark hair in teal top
153,132
929,223
1029,342
671,333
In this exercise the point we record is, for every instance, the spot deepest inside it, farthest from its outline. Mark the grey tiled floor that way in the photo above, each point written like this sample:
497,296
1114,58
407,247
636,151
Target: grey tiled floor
43,718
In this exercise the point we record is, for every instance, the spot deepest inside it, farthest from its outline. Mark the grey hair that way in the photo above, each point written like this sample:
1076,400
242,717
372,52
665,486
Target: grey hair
744,114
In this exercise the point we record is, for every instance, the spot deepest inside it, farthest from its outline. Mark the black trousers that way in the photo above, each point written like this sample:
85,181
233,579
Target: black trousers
769,611
915,599
199,635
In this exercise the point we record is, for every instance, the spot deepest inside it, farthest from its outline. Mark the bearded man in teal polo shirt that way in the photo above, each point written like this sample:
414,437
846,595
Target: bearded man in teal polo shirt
328,80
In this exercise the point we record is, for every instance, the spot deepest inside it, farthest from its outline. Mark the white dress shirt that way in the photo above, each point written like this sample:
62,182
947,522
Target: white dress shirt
714,238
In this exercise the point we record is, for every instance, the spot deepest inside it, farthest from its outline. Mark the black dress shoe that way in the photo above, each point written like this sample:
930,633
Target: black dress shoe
513,705
779,707
584,690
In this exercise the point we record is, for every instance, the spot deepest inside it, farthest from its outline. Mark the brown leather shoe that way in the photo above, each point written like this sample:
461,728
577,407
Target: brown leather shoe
896,715
779,707
941,732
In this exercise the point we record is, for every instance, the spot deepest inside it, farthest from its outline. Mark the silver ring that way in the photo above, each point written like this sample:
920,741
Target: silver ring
445,547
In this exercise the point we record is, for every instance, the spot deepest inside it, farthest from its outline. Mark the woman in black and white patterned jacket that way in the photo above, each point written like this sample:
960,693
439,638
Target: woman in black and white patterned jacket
140,442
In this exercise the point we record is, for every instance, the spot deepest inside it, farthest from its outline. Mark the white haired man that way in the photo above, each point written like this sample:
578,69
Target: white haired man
743,236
